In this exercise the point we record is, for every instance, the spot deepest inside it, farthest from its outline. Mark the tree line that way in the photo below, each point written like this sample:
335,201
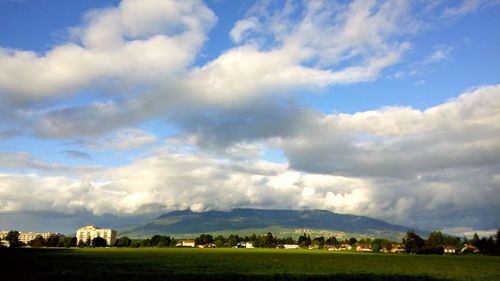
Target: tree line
436,243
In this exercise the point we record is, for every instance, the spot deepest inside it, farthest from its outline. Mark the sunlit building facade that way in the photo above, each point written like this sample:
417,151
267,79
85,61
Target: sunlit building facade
89,232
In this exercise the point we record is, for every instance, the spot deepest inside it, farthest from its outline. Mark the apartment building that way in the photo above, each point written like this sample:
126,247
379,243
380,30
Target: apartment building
90,232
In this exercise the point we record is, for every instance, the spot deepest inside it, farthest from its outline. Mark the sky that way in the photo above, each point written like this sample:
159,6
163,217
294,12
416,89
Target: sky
113,112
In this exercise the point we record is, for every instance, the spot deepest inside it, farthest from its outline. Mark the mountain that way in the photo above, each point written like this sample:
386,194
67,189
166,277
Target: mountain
282,223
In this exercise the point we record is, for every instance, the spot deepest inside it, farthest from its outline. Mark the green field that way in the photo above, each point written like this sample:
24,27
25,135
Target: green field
237,264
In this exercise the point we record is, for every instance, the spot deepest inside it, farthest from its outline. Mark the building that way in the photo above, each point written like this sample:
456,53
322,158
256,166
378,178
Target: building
26,237
291,246
186,243
89,232
450,250
363,248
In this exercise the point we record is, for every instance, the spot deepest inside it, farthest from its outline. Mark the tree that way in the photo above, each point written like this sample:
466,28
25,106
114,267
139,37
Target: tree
318,242
304,241
269,241
332,240
53,240
146,243
233,240
67,242
475,240
379,244
81,244
13,239
123,242
412,242
352,241
37,242
135,244
219,241
204,239
99,242
497,242
434,244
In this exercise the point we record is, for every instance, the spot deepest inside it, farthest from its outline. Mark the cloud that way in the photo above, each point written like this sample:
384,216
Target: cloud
310,52
424,168
427,169
134,43
24,162
125,139
402,142
77,154
137,59
442,52
465,7
178,181
242,27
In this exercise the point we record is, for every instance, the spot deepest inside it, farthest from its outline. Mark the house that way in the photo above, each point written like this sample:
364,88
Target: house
4,243
291,246
186,243
332,248
345,247
450,250
363,248
469,248
397,249
247,245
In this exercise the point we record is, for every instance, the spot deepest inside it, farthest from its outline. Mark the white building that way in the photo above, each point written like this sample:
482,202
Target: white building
291,246
186,243
90,232
26,237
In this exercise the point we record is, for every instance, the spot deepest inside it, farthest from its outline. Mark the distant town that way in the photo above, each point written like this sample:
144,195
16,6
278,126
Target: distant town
93,236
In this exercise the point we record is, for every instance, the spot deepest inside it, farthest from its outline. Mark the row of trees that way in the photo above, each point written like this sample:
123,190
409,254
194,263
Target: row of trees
437,242
412,242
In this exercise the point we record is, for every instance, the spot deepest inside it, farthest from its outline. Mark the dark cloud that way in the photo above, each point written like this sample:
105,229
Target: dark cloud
77,154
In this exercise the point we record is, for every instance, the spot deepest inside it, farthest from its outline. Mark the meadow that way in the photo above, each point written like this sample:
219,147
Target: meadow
237,264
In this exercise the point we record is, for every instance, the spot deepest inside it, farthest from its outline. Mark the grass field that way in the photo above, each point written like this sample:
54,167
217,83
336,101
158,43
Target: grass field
237,264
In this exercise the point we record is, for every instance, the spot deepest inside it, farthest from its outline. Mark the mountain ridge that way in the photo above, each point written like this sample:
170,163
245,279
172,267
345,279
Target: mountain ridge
242,221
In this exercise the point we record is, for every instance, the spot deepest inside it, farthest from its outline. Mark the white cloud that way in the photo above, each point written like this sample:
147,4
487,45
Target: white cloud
125,139
401,142
465,7
427,169
137,42
304,53
242,27
441,52
138,58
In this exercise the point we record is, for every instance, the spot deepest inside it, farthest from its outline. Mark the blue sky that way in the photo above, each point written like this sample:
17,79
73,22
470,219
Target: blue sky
128,109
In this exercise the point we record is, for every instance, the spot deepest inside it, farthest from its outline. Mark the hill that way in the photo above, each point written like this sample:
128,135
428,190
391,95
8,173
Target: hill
282,223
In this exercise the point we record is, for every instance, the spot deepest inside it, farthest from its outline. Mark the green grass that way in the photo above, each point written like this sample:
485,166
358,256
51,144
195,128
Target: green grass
237,264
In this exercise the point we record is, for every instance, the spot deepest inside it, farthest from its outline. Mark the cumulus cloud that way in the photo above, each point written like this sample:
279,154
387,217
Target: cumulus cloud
304,53
135,43
402,142
138,58
427,169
